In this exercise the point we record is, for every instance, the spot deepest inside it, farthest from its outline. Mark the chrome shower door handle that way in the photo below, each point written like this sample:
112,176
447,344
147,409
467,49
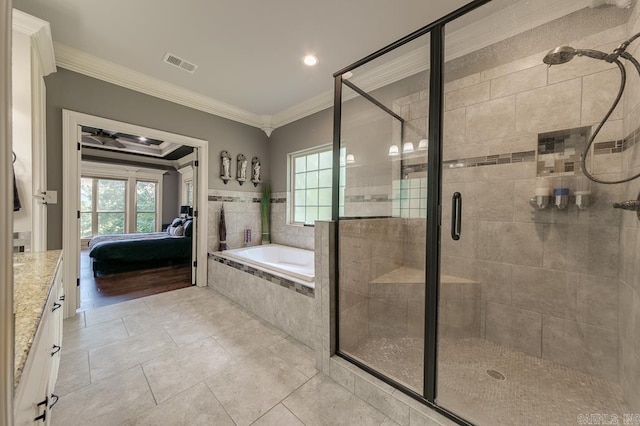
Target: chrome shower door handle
456,215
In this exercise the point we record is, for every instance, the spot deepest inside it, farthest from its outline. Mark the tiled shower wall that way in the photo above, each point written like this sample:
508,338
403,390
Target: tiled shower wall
368,249
548,278
629,284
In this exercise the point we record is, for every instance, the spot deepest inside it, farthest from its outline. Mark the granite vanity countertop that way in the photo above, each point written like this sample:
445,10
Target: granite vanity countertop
33,276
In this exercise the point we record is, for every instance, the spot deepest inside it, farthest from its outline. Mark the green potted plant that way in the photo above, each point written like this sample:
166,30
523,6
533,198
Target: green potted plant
265,212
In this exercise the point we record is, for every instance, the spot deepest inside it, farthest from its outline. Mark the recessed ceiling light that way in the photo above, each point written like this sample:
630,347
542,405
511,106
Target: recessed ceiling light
310,60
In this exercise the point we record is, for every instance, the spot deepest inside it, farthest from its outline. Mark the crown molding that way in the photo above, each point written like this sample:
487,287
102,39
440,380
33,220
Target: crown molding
40,33
92,66
303,109
502,24
482,33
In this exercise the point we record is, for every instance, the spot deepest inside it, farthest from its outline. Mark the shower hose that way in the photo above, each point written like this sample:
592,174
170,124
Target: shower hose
618,52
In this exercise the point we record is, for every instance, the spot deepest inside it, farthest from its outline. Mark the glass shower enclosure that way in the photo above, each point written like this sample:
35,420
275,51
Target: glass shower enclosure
478,270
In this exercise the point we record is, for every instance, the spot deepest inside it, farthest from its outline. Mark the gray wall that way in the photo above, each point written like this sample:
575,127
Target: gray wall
73,91
311,131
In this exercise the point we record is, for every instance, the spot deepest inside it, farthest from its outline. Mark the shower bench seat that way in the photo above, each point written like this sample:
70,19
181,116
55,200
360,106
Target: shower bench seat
396,305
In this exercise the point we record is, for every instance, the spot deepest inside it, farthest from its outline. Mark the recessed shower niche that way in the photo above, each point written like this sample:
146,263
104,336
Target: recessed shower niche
560,152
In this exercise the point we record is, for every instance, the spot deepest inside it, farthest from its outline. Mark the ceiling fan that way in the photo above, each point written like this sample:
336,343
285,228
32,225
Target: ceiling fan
110,139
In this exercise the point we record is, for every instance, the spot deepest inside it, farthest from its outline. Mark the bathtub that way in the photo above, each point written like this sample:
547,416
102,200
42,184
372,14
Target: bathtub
273,282
283,261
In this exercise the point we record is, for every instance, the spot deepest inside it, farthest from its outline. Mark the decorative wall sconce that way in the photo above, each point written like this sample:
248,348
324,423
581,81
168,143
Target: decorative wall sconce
351,158
423,144
255,171
241,174
394,151
225,167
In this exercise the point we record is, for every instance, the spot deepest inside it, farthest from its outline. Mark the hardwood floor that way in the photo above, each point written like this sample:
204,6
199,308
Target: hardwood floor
109,289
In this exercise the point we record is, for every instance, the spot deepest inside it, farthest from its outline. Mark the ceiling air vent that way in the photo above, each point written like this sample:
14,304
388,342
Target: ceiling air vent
172,59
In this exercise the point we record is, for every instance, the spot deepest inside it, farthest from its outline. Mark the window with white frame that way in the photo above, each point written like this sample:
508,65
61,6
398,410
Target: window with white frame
102,206
116,199
189,191
186,176
311,184
146,217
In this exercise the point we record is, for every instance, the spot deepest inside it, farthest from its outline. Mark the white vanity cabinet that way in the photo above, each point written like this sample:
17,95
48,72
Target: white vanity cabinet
34,397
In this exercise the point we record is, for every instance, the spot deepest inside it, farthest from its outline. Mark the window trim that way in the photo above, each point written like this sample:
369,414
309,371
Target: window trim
155,211
290,215
94,205
186,177
131,174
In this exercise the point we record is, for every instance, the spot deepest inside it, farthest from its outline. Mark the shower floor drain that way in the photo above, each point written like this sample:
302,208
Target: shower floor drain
496,375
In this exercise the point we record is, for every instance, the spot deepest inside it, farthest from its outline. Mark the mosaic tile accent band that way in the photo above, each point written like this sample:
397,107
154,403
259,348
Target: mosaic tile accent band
374,198
283,282
617,146
609,147
365,217
491,160
631,140
227,199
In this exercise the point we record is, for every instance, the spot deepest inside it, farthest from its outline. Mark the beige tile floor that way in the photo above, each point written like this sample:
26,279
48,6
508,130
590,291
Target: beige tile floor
193,357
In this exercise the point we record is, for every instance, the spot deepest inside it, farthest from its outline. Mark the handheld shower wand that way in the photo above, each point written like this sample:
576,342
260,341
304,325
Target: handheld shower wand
563,54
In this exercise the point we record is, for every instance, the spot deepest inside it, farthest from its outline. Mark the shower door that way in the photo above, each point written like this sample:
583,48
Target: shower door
382,226
527,287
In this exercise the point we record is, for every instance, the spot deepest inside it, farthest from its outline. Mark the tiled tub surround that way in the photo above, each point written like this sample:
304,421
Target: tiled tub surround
629,283
286,303
284,233
289,267
241,211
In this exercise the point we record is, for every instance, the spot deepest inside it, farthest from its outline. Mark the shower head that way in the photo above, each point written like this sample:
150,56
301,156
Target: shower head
563,54
559,55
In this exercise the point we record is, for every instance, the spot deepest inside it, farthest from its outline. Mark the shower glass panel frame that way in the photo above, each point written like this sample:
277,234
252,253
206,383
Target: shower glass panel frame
439,203
435,31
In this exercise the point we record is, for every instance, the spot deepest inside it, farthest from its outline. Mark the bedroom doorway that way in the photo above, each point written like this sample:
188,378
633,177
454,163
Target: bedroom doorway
133,193
126,197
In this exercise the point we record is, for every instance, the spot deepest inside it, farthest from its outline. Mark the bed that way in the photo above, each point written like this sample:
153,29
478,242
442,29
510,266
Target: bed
130,252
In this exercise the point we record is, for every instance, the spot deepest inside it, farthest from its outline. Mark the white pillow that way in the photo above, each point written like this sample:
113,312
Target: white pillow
177,231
